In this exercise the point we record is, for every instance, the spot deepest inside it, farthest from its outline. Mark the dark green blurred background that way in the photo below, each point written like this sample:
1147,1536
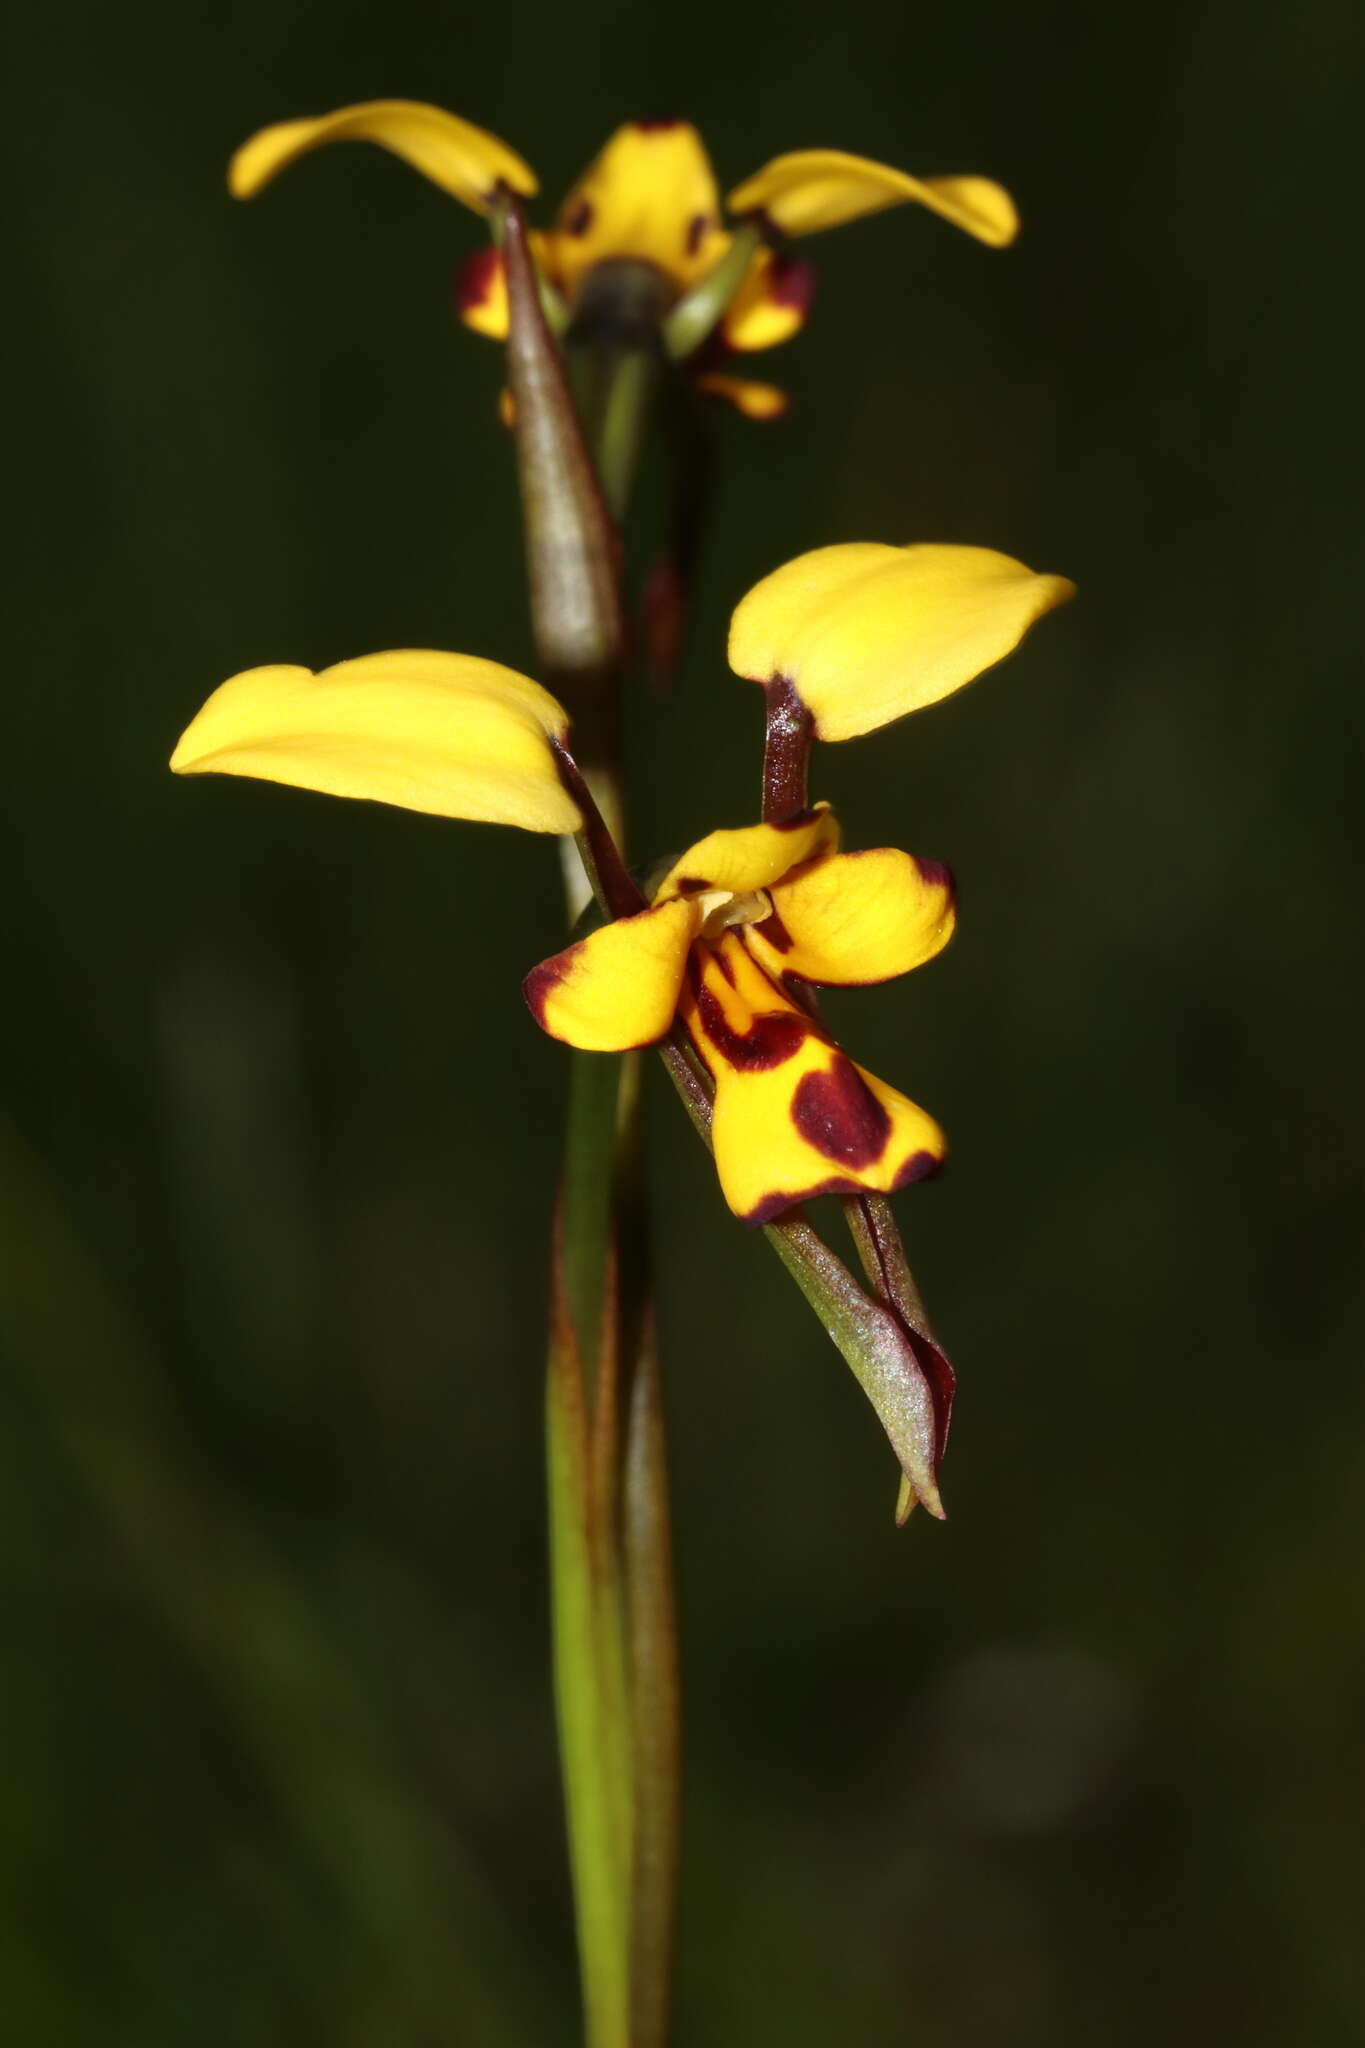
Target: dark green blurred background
1086,1764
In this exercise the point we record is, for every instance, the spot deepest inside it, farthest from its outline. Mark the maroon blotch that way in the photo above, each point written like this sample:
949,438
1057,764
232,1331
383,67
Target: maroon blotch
838,1115
696,233
578,216
542,981
773,1206
919,1166
936,873
775,931
792,283
474,279
658,124
770,1041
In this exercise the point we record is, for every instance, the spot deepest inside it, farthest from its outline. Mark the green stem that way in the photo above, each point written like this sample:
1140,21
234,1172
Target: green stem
611,1575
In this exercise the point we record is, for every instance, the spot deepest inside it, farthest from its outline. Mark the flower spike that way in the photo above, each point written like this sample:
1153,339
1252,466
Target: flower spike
808,190
864,633
444,733
463,160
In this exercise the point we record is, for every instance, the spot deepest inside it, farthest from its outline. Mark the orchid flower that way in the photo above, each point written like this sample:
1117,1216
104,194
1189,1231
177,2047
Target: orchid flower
648,203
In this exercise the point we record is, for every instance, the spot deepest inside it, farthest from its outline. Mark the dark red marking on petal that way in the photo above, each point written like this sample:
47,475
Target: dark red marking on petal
657,124
577,216
774,931
937,874
691,885
794,820
792,283
718,954
919,1166
696,234
772,1206
475,277
542,981
838,1115
771,1040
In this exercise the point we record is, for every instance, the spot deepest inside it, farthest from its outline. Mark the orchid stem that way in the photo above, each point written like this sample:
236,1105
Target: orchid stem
615,1656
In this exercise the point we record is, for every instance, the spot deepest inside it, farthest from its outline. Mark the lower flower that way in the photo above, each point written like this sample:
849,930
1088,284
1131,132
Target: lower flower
740,926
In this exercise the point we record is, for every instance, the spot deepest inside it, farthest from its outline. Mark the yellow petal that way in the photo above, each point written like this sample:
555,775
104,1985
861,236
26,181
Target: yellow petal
751,856
811,189
445,733
856,917
651,194
793,1116
755,401
771,304
866,633
619,987
463,160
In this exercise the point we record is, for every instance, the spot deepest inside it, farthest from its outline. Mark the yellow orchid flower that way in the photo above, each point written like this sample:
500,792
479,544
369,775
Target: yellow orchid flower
739,923
649,198
746,919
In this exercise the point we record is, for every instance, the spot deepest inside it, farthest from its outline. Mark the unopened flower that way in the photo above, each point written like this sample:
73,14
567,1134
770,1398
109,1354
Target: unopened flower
648,200
738,926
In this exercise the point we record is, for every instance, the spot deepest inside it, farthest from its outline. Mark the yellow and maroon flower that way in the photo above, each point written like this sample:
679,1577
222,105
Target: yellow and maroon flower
746,921
648,199
739,927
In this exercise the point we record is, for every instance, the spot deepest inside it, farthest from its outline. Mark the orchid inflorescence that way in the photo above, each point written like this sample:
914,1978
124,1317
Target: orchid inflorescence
714,955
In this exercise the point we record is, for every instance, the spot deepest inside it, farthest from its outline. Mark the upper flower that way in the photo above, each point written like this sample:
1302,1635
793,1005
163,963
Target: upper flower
737,927
650,197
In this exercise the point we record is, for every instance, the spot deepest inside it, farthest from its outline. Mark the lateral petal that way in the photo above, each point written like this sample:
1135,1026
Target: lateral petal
445,733
463,160
650,194
618,988
793,1116
756,401
750,856
771,304
481,286
481,293
808,190
856,918
866,633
